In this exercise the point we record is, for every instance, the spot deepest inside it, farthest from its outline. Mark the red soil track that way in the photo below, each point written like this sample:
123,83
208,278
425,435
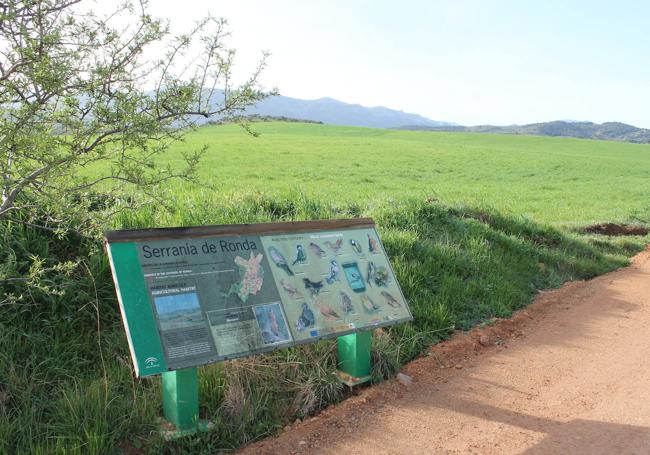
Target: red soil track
569,374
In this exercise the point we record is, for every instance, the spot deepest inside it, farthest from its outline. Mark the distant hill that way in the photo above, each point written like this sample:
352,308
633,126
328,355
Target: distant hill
614,131
334,112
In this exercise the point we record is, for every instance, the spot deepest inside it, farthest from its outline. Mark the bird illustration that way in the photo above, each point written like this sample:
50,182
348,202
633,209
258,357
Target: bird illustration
369,304
371,272
271,330
390,300
346,302
335,246
292,291
355,246
313,286
301,257
306,318
373,247
318,251
328,312
335,273
380,276
279,260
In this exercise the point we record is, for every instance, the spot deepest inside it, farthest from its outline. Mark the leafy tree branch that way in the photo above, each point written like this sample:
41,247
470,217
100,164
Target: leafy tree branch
80,91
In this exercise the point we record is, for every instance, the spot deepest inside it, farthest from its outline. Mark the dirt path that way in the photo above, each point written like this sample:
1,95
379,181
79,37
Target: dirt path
569,374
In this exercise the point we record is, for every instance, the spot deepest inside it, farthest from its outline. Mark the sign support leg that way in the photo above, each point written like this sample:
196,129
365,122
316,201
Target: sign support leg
354,358
180,396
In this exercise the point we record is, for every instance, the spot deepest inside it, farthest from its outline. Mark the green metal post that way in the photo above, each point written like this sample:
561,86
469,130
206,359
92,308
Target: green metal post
354,358
180,391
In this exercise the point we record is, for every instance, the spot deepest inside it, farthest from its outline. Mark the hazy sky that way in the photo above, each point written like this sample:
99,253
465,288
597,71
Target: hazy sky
470,62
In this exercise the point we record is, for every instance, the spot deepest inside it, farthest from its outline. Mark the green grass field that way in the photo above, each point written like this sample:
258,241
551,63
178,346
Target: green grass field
557,180
475,226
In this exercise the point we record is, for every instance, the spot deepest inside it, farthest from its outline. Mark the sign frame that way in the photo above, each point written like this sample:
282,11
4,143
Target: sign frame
128,278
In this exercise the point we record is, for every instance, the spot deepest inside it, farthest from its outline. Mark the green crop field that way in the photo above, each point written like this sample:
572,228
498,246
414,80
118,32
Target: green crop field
558,180
475,226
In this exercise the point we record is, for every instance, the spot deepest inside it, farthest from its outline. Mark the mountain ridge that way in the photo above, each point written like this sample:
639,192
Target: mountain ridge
328,110
334,112
613,131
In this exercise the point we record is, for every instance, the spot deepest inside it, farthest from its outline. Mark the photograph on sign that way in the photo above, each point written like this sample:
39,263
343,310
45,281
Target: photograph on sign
221,297
178,311
272,323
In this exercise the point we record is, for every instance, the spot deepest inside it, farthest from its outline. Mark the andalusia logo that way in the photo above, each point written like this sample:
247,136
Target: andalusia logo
151,362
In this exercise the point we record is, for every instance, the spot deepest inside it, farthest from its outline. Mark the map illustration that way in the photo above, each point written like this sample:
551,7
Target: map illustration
252,277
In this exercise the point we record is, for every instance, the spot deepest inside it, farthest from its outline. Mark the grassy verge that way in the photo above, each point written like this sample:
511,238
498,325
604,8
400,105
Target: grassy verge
66,383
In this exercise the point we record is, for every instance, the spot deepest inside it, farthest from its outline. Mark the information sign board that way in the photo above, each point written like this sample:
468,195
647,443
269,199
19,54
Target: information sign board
191,296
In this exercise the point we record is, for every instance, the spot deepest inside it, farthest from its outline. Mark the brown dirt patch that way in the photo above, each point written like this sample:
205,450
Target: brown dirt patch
568,374
613,229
